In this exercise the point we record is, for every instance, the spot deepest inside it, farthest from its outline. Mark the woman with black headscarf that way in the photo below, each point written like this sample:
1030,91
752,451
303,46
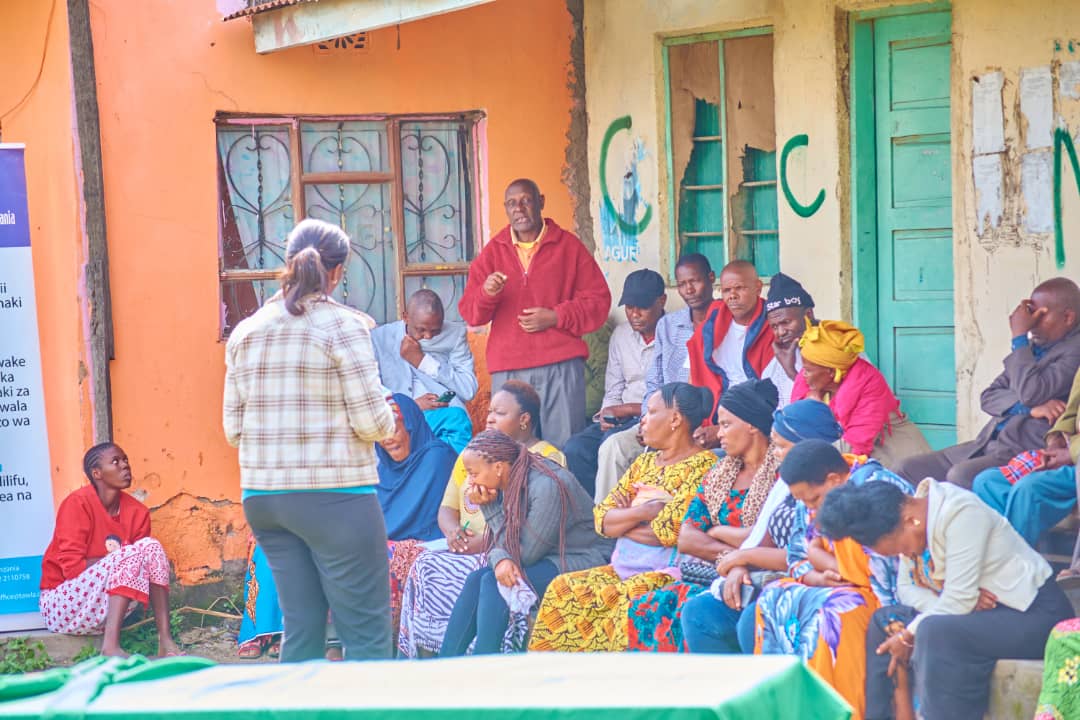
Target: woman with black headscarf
720,515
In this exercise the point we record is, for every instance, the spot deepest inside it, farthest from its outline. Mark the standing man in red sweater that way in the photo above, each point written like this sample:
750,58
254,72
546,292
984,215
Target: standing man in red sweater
541,290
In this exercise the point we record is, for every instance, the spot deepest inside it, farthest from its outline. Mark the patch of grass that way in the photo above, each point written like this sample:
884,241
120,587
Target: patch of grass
142,640
88,651
20,655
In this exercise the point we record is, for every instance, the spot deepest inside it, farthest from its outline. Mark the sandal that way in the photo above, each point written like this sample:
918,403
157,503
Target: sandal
252,649
274,651
334,651
1069,579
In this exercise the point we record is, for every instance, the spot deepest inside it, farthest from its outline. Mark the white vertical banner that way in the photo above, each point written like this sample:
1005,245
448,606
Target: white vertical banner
26,504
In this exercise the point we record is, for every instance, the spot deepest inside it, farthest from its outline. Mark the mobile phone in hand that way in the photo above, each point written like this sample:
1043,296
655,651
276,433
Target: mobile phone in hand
447,396
610,419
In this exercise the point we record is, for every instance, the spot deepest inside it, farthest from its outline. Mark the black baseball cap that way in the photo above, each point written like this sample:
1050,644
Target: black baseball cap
641,288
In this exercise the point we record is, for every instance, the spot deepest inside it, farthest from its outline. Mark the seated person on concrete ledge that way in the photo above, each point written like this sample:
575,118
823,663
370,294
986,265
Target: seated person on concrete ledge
1037,489
971,592
821,611
424,357
414,467
718,621
539,523
1027,397
788,310
835,372
694,280
437,576
88,584
630,354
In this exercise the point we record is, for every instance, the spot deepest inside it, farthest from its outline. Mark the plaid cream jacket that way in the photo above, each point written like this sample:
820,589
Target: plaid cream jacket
303,399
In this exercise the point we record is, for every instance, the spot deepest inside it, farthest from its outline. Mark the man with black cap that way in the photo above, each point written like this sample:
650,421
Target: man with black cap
630,354
787,308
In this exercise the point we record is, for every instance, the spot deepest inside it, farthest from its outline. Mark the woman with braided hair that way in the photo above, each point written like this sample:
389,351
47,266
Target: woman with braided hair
539,523
88,584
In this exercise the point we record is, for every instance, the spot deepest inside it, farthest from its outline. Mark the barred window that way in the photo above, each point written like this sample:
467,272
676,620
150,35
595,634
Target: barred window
404,188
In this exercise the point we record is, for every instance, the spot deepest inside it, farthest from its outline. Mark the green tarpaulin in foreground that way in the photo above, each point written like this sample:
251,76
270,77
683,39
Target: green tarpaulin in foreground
623,686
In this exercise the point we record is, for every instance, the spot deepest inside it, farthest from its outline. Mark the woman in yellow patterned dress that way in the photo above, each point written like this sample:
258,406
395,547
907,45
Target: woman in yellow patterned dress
586,610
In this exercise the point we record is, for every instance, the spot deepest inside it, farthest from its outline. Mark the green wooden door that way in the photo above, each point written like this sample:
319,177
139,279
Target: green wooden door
914,219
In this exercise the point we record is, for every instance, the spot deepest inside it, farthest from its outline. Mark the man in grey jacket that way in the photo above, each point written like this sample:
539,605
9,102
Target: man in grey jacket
1027,397
424,356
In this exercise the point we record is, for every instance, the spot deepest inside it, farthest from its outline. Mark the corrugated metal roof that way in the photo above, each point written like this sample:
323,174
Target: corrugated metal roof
259,6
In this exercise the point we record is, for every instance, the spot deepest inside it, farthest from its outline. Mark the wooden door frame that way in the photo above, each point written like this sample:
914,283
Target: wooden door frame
863,133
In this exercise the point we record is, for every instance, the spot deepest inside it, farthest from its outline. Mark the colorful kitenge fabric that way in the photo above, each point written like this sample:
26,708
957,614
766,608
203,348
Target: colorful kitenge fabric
587,610
826,626
401,554
1060,696
428,597
1022,465
654,618
262,613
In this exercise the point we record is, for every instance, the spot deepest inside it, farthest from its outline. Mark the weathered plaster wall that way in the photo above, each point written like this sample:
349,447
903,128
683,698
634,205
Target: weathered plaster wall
28,41
998,267
811,75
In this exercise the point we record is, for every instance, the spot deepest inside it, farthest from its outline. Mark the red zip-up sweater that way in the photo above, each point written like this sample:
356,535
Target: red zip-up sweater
563,276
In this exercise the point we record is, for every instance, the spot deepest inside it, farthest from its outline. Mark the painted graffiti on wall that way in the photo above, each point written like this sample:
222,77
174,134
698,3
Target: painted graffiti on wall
622,221
801,210
1062,141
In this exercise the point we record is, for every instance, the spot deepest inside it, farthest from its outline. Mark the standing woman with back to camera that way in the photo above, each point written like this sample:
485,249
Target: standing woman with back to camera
304,403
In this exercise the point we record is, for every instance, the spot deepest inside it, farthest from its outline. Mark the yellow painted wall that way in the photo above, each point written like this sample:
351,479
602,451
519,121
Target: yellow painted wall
625,77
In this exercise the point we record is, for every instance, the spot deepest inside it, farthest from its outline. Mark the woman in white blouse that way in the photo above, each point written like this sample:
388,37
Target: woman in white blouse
973,592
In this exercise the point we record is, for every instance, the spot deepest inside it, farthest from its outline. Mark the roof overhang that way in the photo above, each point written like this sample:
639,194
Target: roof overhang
281,24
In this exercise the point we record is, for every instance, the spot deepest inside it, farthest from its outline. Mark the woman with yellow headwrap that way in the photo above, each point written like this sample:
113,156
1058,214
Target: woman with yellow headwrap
835,373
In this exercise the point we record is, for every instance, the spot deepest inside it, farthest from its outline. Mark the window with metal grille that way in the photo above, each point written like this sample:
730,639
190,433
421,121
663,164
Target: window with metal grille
721,147
403,187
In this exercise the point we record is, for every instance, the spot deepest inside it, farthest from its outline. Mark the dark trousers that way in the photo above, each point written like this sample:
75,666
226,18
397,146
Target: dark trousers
480,611
955,654
953,464
582,449
326,551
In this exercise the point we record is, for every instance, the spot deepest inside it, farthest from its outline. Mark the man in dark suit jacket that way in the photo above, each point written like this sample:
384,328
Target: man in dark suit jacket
1025,399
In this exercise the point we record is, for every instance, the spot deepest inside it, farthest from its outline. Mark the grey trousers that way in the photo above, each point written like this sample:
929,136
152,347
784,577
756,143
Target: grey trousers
326,551
562,396
952,464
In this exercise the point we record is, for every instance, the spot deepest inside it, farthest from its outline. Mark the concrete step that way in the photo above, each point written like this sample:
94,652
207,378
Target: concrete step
1014,689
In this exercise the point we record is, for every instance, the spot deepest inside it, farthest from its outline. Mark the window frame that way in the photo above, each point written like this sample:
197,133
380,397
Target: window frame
393,176
675,243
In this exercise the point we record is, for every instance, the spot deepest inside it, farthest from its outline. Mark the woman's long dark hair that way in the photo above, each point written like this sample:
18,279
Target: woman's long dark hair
495,446
313,249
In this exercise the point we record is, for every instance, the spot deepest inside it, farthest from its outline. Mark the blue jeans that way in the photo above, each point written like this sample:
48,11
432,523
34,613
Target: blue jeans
1036,503
710,626
480,611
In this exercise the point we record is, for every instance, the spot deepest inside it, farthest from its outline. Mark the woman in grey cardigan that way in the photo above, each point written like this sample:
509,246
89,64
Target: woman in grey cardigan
973,592
539,523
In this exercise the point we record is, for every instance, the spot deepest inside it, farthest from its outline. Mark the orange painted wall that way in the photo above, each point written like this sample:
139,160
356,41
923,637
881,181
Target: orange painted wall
44,123
163,70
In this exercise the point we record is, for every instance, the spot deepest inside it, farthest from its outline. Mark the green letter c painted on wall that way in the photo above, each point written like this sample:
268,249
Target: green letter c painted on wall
800,209
619,124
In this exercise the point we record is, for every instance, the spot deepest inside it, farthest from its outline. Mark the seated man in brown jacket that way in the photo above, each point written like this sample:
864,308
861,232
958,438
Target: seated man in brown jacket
1026,398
